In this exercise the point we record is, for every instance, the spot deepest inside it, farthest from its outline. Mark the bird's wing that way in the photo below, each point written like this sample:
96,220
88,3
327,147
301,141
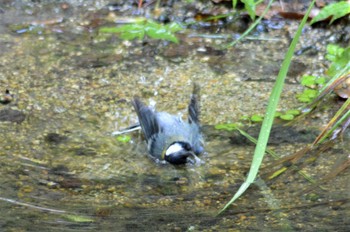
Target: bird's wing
147,118
193,107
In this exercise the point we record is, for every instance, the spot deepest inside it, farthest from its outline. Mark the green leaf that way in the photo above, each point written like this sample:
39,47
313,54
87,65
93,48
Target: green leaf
304,99
307,95
320,80
220,126
287,117
146,27
311,93
293,112
161,33
78,218
334,49
173,27
311,81
124,138
335,10
132,35
245,118
308,80
226,126
340,61
158,31
249,6
257,118
234,3
127,32
278,114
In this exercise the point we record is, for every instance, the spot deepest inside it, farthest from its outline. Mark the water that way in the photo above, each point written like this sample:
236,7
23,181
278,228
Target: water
62,170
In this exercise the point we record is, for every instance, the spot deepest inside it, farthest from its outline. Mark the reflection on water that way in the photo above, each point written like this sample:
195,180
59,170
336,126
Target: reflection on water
62,170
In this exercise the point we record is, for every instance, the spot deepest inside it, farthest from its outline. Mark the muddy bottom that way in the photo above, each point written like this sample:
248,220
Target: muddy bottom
63,170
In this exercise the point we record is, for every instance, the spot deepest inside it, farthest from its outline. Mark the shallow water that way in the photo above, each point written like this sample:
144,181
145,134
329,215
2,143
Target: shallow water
62,170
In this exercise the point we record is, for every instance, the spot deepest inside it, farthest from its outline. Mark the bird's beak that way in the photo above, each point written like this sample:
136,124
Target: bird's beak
193,159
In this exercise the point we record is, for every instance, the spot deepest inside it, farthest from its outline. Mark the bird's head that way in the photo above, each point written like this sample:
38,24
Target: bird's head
178,153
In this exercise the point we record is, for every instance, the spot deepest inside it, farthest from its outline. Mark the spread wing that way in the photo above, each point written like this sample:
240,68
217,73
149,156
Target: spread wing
147,118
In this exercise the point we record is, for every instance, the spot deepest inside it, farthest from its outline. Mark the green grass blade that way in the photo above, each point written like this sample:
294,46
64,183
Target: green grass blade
276,156
255,141
256,22
269,116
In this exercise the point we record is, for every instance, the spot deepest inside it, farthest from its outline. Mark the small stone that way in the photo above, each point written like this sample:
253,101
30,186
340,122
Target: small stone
55,138
12,115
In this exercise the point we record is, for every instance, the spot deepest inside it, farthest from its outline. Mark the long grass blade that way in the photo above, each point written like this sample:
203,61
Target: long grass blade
269,115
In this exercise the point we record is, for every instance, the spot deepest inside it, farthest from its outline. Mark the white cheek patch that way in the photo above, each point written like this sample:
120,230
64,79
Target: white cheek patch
173,149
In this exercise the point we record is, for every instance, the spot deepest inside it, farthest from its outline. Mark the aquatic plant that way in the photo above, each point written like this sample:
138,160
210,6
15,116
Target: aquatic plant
261,145
340,71
142,27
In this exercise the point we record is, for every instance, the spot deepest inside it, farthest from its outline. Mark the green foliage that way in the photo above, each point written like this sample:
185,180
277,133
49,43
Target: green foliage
312,83
124,138
340,58
78,218
278,114
257,118
141,28
342,115
245,118
255,23
249,6
293,112
226,126
307,95
234,3
308,80
288,115
260,148
335,10
334,51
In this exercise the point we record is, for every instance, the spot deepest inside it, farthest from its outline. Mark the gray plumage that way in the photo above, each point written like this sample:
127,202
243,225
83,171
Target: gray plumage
161,130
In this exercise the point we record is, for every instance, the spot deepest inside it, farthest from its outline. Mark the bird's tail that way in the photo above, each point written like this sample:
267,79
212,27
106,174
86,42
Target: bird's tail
193,107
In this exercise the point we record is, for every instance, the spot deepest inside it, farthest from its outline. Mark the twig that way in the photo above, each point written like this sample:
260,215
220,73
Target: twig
32,206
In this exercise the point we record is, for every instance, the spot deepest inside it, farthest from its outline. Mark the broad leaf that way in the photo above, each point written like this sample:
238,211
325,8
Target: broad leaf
336,11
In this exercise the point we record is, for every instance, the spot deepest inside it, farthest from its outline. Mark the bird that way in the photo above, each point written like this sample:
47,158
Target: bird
168,137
